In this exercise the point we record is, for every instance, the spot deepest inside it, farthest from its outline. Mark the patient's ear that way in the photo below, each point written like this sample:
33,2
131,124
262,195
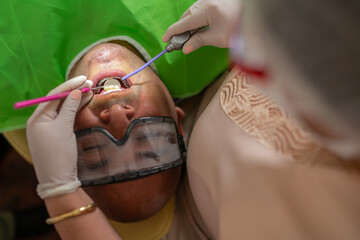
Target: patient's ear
180,116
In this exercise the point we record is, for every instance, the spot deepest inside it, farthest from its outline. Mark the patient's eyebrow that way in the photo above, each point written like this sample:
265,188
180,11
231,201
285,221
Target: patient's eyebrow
146,155
96,165
89,157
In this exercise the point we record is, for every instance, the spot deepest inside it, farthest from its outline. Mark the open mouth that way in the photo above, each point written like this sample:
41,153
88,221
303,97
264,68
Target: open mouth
111,84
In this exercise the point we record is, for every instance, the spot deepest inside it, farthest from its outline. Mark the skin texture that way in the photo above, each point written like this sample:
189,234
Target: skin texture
141,198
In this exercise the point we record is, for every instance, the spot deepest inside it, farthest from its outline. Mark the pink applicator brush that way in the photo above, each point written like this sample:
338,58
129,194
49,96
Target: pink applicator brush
34,101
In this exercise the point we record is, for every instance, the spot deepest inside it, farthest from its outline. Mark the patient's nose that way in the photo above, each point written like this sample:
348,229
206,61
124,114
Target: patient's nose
117,118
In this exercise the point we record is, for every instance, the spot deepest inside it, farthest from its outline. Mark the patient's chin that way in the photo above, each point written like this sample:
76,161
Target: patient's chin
137,199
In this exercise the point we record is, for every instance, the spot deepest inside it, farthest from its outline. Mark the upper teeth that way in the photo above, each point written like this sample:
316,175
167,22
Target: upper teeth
111,84
111,88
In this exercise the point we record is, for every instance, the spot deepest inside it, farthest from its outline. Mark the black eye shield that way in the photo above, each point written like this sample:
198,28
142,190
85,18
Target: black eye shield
150,145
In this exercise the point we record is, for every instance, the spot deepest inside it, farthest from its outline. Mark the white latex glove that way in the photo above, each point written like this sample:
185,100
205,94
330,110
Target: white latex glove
219,15
52,142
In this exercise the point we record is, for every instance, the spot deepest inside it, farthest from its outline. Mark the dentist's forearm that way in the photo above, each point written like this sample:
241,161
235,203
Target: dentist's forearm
92,225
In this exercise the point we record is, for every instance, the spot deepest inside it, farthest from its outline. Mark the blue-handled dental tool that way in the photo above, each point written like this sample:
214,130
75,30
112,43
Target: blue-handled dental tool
176,43
145,65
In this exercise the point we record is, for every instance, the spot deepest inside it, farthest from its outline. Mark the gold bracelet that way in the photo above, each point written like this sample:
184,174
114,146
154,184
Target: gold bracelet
87,209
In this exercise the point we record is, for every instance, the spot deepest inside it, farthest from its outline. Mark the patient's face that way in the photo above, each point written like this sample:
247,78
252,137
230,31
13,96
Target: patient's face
136,199
147,97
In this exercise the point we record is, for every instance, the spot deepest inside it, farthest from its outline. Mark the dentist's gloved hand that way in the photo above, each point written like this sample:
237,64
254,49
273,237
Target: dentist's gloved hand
219,15
52,142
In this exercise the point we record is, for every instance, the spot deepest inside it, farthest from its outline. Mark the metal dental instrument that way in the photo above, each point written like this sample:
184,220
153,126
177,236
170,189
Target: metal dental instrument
176,43
34,101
